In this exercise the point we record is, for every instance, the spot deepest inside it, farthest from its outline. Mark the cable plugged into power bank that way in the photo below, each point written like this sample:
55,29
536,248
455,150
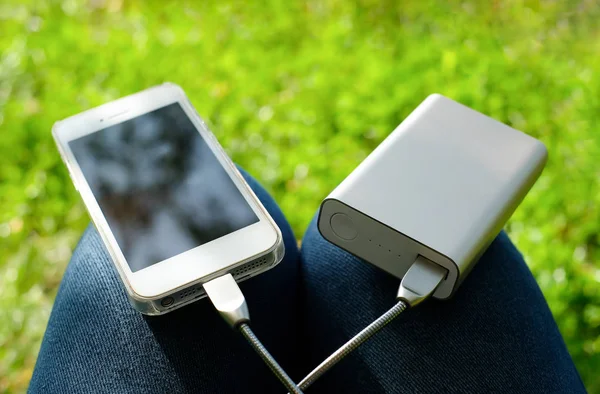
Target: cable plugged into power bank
419,283
428,201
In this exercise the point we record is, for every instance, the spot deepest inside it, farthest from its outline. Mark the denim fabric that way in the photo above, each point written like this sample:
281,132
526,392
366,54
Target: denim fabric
495,335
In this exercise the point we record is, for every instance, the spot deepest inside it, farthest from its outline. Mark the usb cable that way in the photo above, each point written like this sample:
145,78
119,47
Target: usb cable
420,282
227,297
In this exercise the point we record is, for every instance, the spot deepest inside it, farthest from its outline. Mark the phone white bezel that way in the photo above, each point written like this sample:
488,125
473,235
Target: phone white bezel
193,266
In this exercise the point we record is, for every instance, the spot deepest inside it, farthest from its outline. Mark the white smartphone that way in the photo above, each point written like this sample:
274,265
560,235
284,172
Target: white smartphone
171,207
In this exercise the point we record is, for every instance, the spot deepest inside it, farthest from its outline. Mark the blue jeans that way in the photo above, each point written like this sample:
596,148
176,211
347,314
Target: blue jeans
496,335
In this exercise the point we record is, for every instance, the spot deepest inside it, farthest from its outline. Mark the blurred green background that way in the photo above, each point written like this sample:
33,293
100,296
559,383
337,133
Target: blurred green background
299,92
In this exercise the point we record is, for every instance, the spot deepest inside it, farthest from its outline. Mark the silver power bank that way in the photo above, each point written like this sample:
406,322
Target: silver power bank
441,185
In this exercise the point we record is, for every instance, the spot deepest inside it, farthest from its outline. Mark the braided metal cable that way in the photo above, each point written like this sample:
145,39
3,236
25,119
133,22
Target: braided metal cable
268,359
353,343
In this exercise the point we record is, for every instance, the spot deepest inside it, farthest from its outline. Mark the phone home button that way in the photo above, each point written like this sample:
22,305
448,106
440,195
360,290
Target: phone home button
343,226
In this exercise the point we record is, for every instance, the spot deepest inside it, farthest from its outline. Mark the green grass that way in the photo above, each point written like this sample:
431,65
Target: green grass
299,93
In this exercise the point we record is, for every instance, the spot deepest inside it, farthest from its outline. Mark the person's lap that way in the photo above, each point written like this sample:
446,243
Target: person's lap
495,334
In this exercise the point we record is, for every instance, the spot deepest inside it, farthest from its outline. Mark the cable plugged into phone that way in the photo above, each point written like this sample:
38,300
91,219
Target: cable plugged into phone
228,299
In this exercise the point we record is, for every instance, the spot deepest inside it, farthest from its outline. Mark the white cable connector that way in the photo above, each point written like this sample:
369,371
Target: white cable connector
420,281
228,299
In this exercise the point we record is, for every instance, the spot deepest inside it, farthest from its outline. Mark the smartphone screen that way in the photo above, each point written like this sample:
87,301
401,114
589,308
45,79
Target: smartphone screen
160,187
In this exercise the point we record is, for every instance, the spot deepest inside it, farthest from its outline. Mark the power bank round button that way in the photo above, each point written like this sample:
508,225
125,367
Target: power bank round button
343,226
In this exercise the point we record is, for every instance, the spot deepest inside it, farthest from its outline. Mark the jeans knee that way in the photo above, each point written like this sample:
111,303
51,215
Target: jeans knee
90,275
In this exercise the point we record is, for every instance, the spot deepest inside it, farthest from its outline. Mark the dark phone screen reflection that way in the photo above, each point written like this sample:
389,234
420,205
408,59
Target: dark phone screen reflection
160,187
